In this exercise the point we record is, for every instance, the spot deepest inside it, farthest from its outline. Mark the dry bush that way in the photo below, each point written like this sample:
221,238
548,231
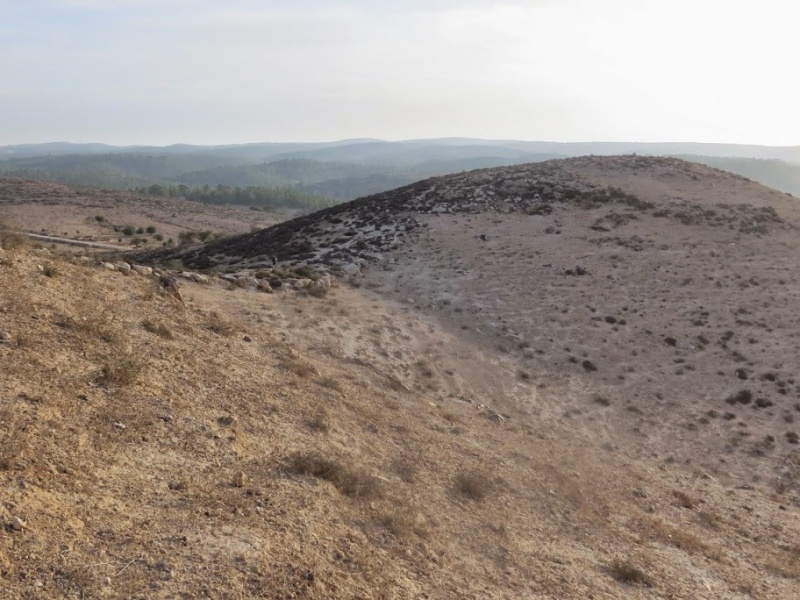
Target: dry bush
658,530
684,501
784,562
348,481
626,572
123,368
320,421
158,329
331,383
474,486
216,323
401,522
100,324
315,291
300,367
50,270
10,239
406,468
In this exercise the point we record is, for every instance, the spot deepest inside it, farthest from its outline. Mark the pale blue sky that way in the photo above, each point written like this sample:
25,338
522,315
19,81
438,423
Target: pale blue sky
228,71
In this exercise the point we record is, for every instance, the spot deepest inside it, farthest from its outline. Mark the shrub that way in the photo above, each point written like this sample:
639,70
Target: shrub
150,229
601,400
348,481
474,486
320,421
589,365
316,291
10,239
626,572
123,369
741,397
219,325
50,270
158,329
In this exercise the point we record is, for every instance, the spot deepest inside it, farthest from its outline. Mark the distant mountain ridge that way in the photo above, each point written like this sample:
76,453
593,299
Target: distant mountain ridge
348,169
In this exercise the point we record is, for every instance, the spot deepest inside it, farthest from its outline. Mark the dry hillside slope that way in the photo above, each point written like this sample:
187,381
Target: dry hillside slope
651,300
287,446
84,213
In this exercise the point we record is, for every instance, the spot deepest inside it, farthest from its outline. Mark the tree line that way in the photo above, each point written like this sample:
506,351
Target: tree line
260,196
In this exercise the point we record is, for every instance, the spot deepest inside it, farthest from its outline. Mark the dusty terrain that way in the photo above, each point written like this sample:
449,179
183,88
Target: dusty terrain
84,213
421,431
649,301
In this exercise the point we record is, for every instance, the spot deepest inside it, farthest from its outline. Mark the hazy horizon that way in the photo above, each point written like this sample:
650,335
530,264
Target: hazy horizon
147,72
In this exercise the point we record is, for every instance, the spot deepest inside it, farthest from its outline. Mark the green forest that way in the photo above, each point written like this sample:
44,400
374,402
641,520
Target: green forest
315,175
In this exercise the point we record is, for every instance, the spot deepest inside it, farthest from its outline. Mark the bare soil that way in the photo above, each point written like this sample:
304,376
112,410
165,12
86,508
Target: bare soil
90,214
379,443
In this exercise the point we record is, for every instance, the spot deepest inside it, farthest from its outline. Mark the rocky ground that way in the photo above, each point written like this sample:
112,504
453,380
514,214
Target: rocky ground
291,446
511,400
650,300
89,214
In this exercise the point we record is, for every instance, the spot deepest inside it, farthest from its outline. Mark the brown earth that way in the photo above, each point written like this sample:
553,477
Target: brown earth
360,445
73,211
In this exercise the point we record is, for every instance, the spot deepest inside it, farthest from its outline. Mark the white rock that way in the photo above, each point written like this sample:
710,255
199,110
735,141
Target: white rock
17,524
123,268
351,269
109,266
200,278
142,270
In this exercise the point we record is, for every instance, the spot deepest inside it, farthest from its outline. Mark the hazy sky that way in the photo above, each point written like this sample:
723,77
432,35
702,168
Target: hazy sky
227,71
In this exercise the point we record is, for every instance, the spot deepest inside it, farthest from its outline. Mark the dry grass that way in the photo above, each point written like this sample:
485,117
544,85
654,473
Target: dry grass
406,468
123,368
11,239
655,529
401,522
157,328
219,325
684,500
319,421
95,322
50,270
300,367
331,383
348,480
473,485
626,572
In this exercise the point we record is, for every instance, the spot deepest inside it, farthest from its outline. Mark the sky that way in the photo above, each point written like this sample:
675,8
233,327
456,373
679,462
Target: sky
238,71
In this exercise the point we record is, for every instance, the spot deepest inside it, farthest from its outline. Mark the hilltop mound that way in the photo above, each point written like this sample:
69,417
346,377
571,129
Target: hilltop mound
651,300
364,230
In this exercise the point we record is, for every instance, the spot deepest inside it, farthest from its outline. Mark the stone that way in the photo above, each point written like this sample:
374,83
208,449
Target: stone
241,479
109,266
5,337
351,269
142,270
123,268
17,524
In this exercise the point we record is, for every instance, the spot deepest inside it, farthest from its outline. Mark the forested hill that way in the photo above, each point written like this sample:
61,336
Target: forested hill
778,174
314,174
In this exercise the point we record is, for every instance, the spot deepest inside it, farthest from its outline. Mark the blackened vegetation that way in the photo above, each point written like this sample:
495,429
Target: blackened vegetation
361,230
